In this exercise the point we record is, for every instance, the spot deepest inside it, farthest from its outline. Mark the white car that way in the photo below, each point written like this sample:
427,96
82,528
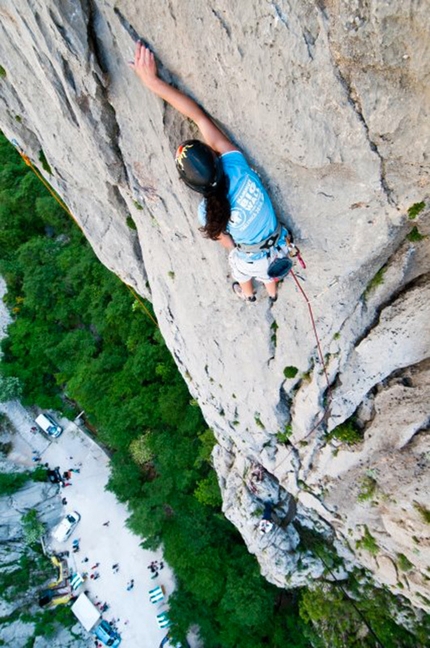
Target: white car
65,528
48,425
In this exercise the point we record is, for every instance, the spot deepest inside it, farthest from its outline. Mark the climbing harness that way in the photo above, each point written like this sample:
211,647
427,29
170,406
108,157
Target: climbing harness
29,163
265,244
280,258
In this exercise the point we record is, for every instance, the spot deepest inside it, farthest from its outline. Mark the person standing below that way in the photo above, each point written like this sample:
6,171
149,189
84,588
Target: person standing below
236,210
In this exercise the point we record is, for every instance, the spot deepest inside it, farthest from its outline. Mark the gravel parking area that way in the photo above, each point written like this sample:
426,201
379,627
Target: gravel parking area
104,539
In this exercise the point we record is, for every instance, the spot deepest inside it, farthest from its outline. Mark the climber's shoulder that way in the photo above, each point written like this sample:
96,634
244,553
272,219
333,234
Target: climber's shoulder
226,147
214,136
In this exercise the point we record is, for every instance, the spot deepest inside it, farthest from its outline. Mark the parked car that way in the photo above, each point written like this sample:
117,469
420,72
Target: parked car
54,476
47,424
65,528
107,634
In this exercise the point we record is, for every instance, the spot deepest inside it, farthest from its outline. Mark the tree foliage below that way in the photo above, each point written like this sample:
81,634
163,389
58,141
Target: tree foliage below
11,482
32,527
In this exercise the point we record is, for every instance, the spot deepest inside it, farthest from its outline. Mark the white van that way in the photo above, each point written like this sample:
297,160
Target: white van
64,530
48,425
89,616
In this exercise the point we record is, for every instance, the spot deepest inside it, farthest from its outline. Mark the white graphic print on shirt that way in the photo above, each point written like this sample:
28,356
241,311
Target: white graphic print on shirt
249,200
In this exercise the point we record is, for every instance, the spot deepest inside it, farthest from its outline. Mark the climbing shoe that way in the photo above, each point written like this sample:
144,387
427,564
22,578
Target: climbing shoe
239,292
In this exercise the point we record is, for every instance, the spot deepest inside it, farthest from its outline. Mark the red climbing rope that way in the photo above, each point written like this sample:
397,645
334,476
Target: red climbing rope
321,357
314,327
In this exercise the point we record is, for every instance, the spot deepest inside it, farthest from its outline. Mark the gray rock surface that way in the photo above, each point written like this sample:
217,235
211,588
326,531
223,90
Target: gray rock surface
41,496
330,101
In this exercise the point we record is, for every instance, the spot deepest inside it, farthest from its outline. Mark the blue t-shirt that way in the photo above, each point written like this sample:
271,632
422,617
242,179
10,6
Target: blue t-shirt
253,218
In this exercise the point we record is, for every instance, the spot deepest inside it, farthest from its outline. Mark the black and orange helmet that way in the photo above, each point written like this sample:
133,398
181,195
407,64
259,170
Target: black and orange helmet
198,166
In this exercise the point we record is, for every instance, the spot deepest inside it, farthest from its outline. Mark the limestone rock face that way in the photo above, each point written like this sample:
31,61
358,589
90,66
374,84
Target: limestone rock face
330,102
41,496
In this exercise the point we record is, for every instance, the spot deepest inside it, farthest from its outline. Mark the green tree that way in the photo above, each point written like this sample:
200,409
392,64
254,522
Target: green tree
12,482
10,388
140,451
208,492
32,527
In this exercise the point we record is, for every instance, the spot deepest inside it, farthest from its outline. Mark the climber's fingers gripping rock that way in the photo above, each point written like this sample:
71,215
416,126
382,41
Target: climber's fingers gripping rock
144,65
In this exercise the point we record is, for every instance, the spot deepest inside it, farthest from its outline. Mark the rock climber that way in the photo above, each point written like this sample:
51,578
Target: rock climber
266,523
236,210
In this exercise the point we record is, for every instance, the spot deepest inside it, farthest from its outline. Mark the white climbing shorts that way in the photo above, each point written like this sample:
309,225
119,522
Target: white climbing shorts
243,270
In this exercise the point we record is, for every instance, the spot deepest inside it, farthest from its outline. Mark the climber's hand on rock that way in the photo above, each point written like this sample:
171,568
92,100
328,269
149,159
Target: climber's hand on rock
146,69
144,65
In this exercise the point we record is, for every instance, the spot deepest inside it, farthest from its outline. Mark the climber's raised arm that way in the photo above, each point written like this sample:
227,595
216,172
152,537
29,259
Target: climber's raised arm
236,210
146,69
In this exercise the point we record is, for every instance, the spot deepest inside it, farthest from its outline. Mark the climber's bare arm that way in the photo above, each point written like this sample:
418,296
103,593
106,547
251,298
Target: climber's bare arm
146,69
226,241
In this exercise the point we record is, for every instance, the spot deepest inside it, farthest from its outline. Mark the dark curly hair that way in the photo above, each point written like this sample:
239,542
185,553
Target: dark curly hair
218,211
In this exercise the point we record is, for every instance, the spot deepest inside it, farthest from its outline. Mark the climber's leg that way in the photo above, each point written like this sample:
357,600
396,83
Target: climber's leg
272,289
244,290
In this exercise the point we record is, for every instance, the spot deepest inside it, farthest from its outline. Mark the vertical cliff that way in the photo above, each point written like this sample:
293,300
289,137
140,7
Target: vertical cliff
330,102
